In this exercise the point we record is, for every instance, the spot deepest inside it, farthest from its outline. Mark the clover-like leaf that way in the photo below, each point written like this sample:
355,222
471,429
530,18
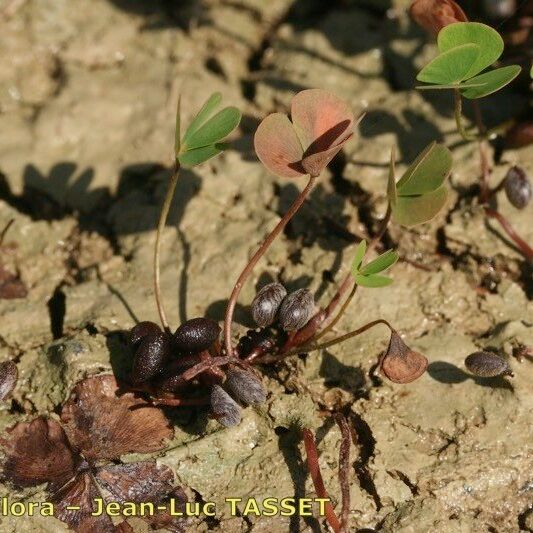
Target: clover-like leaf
413,210
372,281
358,256
451,66
486,38
367,276
202,138
381,263
427,172
321,124
203,115
214,129
491,81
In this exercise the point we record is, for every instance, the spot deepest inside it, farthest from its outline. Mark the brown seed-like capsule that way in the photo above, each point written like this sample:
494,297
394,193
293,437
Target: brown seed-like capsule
245,386
517,187
401,364
521,134
266,304
225,409
150,357
296,310
140,330
8,378
487,365
196,335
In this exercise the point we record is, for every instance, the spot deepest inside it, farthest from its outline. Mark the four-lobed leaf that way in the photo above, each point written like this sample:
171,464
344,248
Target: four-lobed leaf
368,275
465,50
202,139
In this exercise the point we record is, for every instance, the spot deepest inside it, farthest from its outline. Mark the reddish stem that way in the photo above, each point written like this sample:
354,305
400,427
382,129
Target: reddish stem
179,402
485,191
314,470
344,469
272,358
253,261
522,245
212,363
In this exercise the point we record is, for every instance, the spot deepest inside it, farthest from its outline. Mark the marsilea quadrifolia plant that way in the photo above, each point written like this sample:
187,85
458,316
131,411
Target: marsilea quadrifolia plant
466,53
193,365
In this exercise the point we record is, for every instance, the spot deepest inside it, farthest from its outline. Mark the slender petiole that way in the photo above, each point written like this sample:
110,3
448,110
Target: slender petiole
338,340
314,470
253,261
459,117
157,251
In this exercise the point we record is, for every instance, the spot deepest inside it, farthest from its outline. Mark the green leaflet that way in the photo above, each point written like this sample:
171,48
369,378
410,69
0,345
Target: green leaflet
491,81
427,172
381,263
372,281
358,257
191,158
461,33
450,67
205,112
367,276
414,210
458,68
214,129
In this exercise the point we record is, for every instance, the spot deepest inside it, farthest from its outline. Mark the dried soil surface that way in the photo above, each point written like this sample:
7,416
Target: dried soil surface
87,97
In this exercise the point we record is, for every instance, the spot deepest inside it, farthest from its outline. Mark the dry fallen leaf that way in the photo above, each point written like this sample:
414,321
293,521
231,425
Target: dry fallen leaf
102,425
99,425
38,452
81,492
